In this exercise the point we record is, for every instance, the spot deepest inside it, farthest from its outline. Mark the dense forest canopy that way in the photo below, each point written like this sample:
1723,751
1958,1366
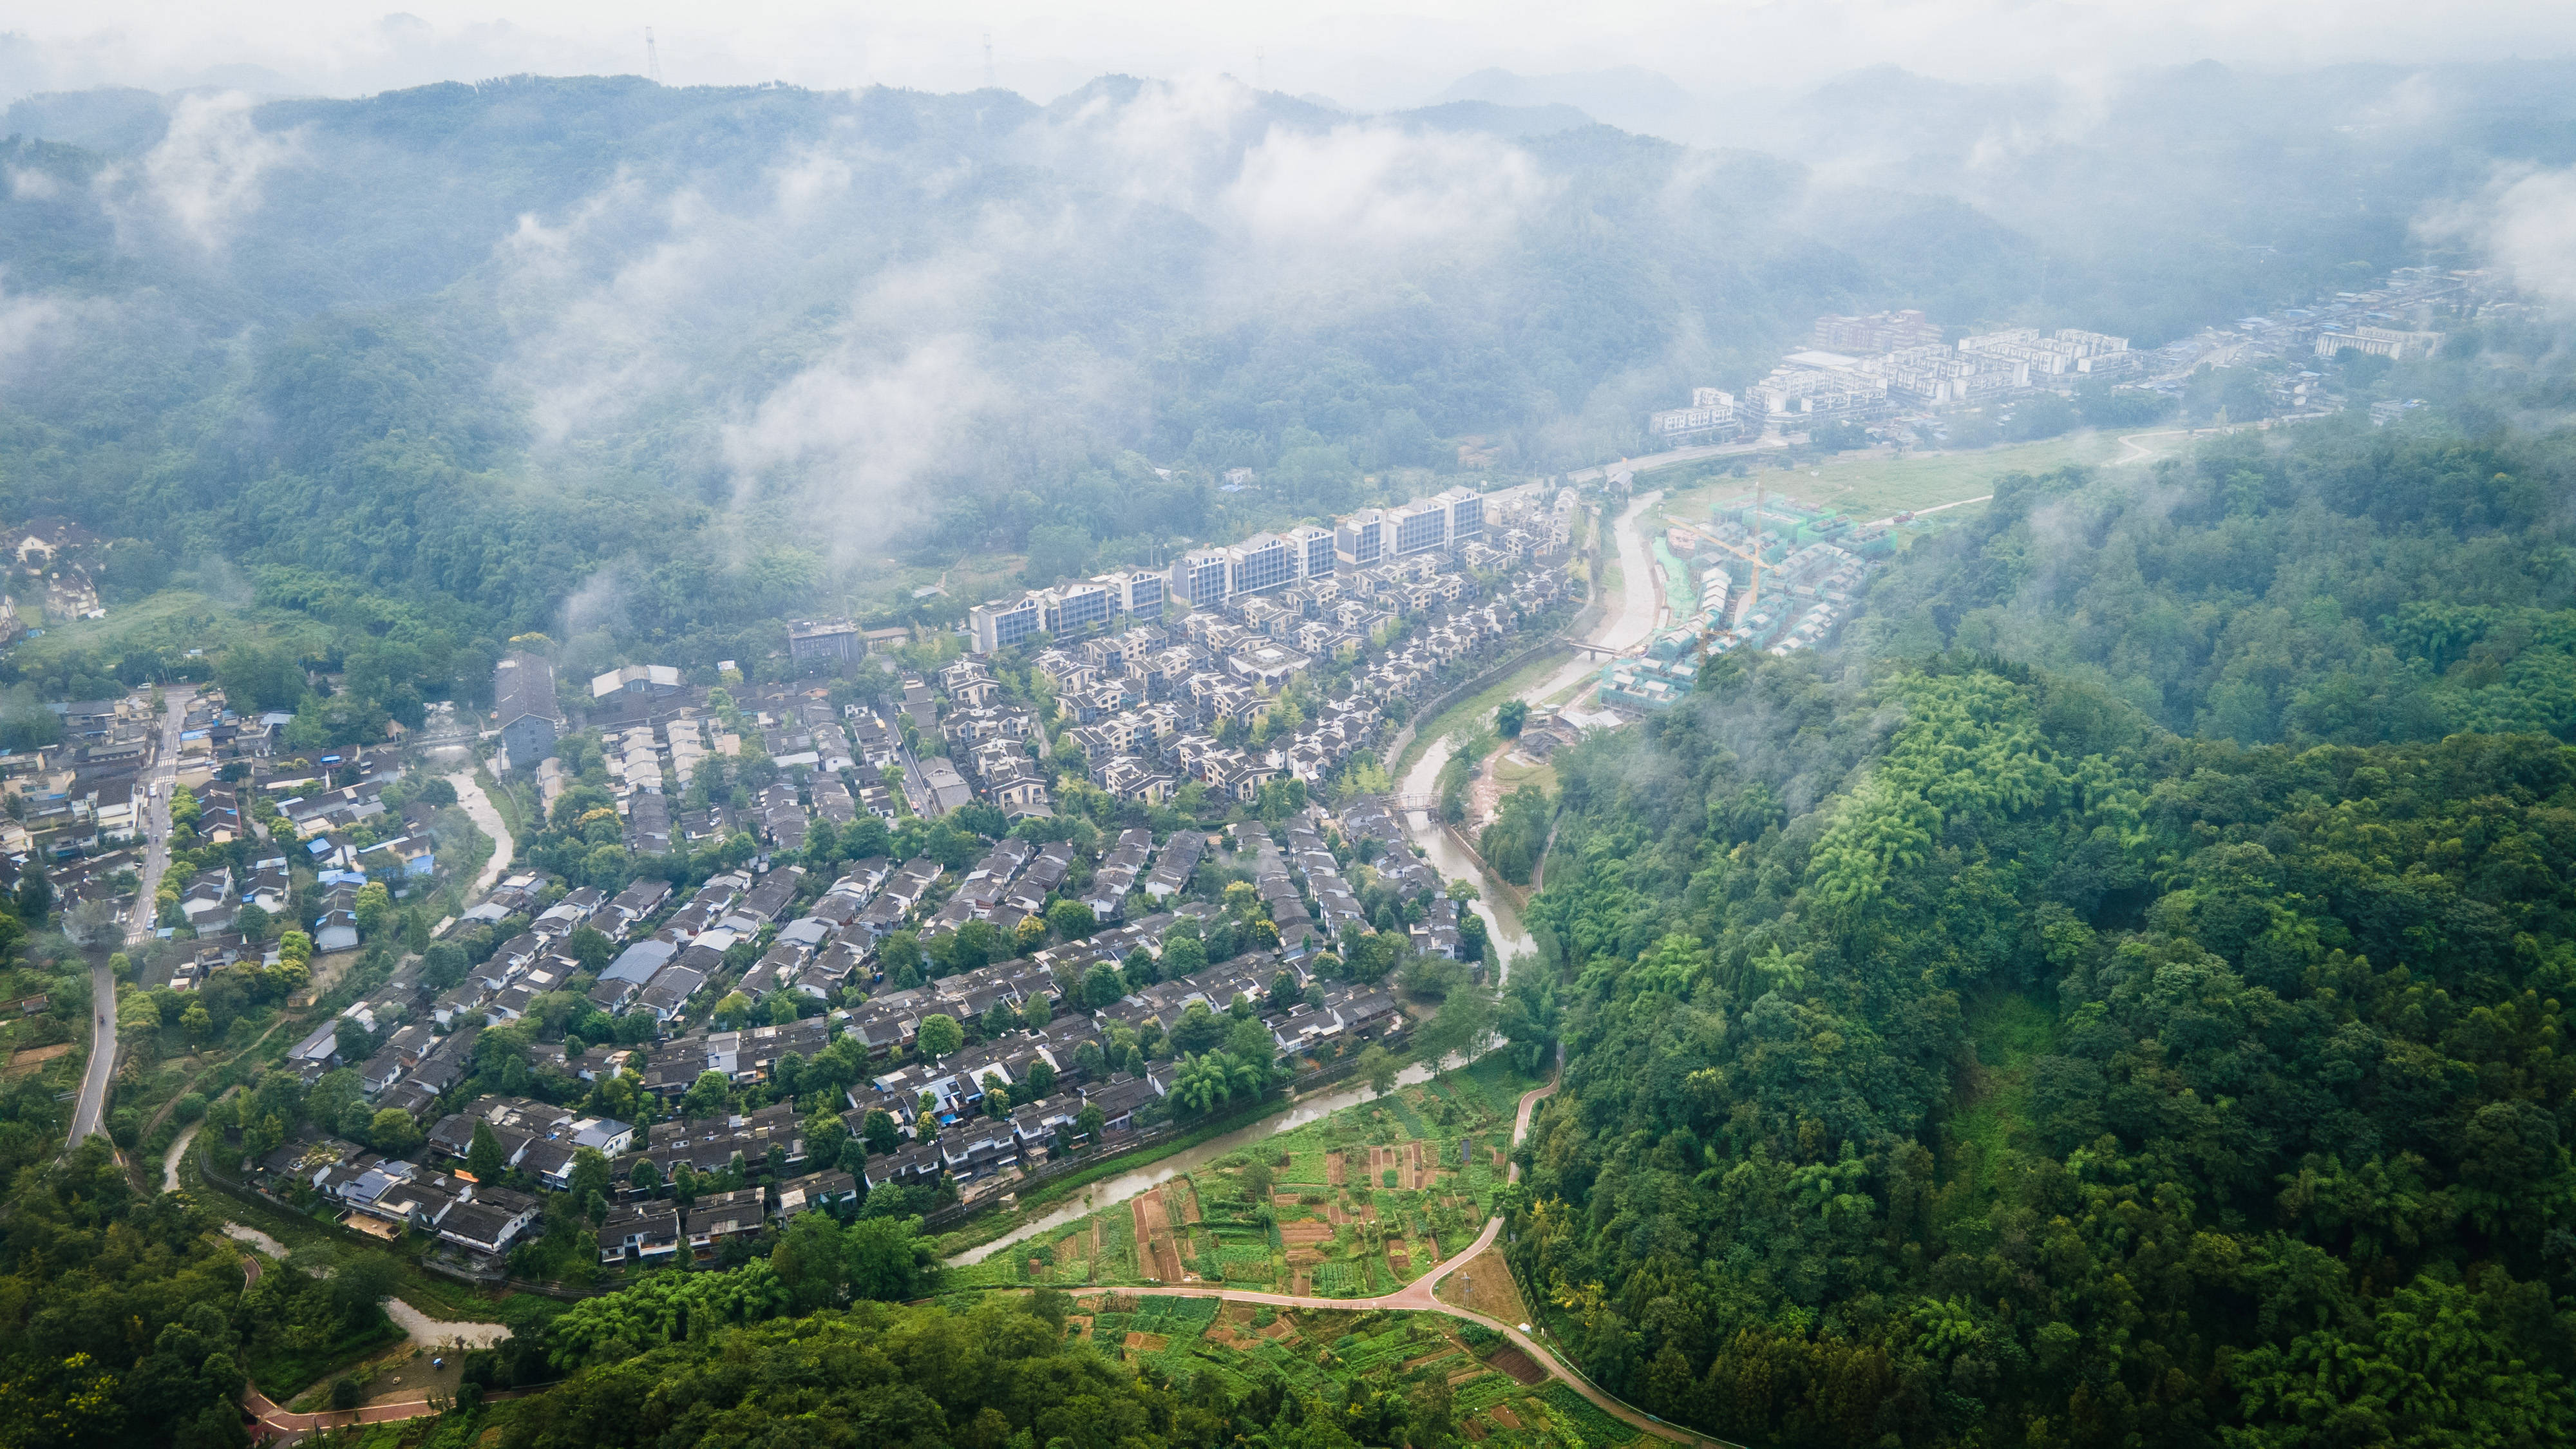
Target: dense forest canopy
2161,1044
2355,586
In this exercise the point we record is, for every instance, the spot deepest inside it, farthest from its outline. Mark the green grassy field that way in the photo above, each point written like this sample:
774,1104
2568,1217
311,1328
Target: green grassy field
172,618
1877,484
1334,1225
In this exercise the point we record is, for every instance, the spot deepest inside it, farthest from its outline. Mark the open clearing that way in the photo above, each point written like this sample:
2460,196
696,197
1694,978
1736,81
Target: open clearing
1877,483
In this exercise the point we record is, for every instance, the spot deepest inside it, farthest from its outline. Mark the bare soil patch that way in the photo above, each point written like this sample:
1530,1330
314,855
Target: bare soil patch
22,1063
1155,1256
1149,1342
1514,1362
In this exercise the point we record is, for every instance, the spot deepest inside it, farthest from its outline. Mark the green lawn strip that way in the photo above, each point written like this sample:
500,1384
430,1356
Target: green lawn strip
1871,485
1414,1126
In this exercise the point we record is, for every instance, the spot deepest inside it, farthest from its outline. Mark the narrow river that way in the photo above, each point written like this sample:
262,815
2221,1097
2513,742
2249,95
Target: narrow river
1624,625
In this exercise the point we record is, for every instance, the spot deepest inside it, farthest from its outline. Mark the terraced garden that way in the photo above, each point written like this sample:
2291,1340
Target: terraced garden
1353,1206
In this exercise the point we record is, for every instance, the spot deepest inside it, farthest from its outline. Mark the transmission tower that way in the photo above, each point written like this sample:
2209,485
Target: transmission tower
988,60
652,58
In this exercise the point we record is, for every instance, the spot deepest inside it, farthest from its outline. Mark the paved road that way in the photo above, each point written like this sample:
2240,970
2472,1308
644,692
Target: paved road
165,773
274,1422
90,1112
487,818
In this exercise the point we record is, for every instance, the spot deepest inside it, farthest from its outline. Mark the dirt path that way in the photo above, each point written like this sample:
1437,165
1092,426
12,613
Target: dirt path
438,1333
178,1150
486,818
257,1239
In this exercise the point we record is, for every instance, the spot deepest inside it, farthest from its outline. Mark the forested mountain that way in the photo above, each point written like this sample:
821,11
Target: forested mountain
686,357
1967,1052
2355,586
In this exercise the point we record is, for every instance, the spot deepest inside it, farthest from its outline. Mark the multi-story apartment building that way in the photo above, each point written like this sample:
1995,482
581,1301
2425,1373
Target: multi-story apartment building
1309,555
1140,591
1314,549
1199,578
1259,564
1359,539
1466,509
1072,608
1005,622
1418,527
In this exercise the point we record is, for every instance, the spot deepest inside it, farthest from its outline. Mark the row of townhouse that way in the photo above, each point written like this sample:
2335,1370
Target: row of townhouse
542,1140
651,1233
738,1141
1337,906
980,890
1238,576
665,970
963,1139
1278,890
1117,873
390,1195
744,1055
1408,875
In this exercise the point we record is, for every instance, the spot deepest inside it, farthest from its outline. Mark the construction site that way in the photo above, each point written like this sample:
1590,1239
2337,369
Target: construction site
1766,571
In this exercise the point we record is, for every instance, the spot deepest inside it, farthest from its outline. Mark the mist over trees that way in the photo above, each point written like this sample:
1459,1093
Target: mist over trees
666,360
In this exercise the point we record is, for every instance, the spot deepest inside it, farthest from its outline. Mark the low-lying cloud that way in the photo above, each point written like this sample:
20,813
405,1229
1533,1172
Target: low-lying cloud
2525,224
202,179
869,340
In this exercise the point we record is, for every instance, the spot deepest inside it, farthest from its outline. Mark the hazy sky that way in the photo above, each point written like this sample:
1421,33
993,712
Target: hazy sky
1366,59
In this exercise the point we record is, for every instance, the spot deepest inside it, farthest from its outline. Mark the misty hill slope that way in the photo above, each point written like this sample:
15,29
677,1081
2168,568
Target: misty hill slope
823,317
752,323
